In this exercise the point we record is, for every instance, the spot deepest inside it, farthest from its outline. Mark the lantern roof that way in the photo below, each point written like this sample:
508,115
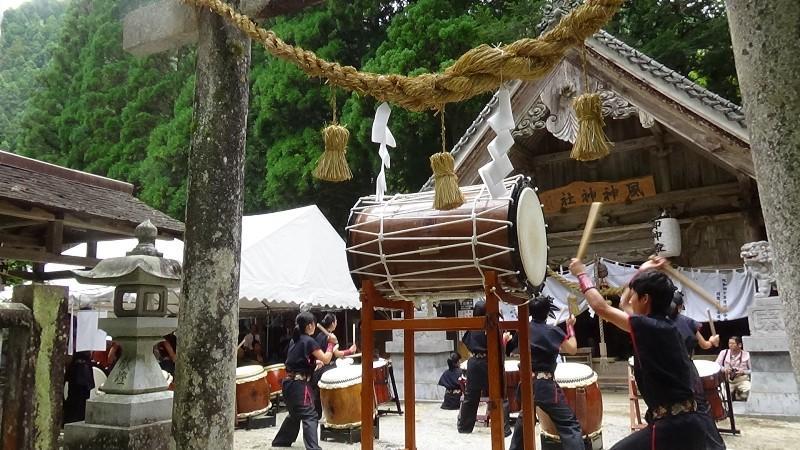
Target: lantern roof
142,265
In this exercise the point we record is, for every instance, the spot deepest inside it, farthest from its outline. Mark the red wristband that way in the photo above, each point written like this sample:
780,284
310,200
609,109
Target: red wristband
330,347
347,352
570,331
585,282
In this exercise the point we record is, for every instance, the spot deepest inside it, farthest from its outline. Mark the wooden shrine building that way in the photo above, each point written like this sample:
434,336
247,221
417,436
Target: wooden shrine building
677,148
46,209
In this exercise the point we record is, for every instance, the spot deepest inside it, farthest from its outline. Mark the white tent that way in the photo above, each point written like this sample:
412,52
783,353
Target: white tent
288,258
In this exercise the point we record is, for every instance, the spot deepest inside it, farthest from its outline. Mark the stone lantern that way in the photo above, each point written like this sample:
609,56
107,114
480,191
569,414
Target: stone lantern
133,409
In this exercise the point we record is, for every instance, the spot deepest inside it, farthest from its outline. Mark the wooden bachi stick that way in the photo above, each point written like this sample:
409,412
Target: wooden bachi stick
591,220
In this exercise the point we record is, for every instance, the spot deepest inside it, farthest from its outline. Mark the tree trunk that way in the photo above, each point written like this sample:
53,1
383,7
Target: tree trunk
765,48
203,415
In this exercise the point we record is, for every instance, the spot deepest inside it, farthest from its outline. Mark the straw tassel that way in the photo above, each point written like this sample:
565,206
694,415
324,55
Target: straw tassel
591,142
332,165
447,194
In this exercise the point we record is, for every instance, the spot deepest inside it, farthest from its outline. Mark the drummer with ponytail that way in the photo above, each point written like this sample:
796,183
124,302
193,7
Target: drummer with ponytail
301,359
547,341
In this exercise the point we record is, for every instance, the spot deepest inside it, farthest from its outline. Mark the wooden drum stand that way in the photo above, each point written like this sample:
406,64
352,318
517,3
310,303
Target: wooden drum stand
371,299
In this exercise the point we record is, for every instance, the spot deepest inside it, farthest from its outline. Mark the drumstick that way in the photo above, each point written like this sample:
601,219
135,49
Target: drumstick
240,344
321,328
688,282
711,322
591,220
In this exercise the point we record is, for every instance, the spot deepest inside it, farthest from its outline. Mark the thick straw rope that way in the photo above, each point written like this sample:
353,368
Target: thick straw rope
479,70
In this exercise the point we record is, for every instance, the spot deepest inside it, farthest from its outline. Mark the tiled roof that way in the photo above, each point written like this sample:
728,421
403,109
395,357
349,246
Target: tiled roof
31,187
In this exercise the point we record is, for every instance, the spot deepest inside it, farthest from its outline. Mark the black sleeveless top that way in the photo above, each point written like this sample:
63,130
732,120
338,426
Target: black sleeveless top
299,358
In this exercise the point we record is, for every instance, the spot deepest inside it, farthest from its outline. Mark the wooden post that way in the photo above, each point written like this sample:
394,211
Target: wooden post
368,295
526,375
493,349
409,391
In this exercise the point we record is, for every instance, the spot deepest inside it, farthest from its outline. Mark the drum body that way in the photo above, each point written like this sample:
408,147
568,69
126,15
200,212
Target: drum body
512,377
711,376
579,383
410,250
380,370
252,391
340,393
275,375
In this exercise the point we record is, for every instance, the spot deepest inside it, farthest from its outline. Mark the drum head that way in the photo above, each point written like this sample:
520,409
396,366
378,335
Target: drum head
341,362
248,371
630,361
574,375
340,377
531,236
706,368
512,365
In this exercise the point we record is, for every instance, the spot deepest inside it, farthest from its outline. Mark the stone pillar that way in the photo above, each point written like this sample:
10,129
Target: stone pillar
431,349
774,389
35,392
765,48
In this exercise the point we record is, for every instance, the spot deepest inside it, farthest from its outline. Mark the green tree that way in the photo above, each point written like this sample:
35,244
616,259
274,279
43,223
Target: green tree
27,35
288,110
690,37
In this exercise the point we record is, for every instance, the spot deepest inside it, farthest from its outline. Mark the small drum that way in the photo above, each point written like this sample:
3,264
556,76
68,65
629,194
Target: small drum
579,383
252,391
275,375
711,376
340,393
380,370
410,250
512,376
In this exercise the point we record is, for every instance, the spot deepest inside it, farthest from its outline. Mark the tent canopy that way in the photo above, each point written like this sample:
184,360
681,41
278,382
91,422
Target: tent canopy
288,258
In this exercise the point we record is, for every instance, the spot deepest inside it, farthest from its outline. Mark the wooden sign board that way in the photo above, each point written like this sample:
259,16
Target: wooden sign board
582,193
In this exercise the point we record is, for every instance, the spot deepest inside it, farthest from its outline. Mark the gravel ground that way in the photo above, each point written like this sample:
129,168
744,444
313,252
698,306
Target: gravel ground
436,430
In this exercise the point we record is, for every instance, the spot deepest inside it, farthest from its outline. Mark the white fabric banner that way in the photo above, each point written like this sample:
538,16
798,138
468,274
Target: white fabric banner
88,336
734,289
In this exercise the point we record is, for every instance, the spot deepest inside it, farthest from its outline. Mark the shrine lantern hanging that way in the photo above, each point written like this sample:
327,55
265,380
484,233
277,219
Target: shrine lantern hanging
667,236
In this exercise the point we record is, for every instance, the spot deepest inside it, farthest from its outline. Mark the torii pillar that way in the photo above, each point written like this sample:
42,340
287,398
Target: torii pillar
204,407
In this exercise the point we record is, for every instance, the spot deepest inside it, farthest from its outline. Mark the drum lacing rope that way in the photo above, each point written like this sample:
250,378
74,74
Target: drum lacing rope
473,216
383,254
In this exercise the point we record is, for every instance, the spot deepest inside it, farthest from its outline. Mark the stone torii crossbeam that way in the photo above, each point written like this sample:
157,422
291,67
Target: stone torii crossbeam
204,408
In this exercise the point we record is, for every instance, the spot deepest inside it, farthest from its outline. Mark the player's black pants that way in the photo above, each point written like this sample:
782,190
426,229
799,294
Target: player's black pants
681,432
550,398
477,383
299,398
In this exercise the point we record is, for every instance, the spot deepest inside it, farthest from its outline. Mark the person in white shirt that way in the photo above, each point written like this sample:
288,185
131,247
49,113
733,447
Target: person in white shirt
735,361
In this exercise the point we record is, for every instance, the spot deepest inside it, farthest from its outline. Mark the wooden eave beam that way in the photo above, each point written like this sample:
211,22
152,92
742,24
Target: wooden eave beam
77,221
634,227
35,256
42,276
628,145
